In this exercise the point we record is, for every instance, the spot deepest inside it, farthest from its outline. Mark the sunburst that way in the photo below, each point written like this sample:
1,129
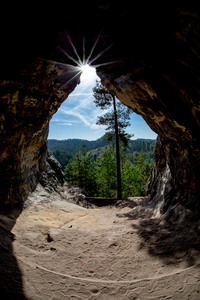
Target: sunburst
84,66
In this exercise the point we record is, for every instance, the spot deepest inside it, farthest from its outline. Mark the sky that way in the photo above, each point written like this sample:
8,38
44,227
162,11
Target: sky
76,118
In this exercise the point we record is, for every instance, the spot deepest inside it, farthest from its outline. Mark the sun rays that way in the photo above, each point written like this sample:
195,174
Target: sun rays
80,66
83,65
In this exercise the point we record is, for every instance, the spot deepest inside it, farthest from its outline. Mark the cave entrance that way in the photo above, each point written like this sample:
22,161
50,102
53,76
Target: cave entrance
79,113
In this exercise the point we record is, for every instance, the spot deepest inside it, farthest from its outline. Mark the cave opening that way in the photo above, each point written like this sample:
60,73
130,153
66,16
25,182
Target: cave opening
76,121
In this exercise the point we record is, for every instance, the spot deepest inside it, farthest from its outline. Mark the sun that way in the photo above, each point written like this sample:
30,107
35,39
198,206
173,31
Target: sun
88,73
82,63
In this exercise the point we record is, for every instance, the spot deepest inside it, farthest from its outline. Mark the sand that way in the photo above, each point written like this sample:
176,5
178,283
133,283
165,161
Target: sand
60,250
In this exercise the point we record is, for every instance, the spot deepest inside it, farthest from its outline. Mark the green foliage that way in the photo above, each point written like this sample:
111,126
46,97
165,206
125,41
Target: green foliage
71,146
63,150
135,174
80,170
98,176
144,169
116,119
102,97
130,180
106,179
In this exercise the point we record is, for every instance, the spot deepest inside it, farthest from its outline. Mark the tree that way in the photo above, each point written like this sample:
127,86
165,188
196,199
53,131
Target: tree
144,170
80,170
105,179
116,120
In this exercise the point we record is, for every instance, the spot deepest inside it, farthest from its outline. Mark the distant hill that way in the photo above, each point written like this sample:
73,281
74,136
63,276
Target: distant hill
63,150
70,146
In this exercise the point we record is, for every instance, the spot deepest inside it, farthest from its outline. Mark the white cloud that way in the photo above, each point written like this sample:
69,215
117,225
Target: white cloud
61,122
75,113
81,113
79,94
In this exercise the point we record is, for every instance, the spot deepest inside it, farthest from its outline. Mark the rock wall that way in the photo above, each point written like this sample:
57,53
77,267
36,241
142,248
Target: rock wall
27,105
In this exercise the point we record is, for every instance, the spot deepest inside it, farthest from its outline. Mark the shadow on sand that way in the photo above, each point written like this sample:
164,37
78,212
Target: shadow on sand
171,241
11,285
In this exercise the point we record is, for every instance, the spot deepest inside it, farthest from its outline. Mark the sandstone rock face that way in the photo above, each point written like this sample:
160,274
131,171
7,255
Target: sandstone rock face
147,55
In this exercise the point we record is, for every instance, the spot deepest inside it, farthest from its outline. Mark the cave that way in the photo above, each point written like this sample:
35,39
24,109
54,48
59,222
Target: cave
145,53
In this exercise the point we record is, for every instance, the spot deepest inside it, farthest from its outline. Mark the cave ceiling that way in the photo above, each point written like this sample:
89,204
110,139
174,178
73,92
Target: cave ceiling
154,42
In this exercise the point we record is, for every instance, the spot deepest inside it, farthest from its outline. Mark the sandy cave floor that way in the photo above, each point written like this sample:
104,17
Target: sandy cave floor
61,250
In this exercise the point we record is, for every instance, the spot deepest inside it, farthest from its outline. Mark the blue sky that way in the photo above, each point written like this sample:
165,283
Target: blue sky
77,116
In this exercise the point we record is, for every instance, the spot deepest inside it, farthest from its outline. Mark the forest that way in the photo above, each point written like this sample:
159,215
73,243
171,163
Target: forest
91,165
63,150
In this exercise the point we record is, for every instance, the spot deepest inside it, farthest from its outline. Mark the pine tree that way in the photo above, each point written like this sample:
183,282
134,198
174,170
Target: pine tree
116,120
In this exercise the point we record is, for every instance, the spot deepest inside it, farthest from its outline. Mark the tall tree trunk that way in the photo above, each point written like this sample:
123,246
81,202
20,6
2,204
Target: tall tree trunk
119,188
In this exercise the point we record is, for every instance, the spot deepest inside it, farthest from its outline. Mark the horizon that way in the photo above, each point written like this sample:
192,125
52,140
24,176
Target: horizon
152,139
